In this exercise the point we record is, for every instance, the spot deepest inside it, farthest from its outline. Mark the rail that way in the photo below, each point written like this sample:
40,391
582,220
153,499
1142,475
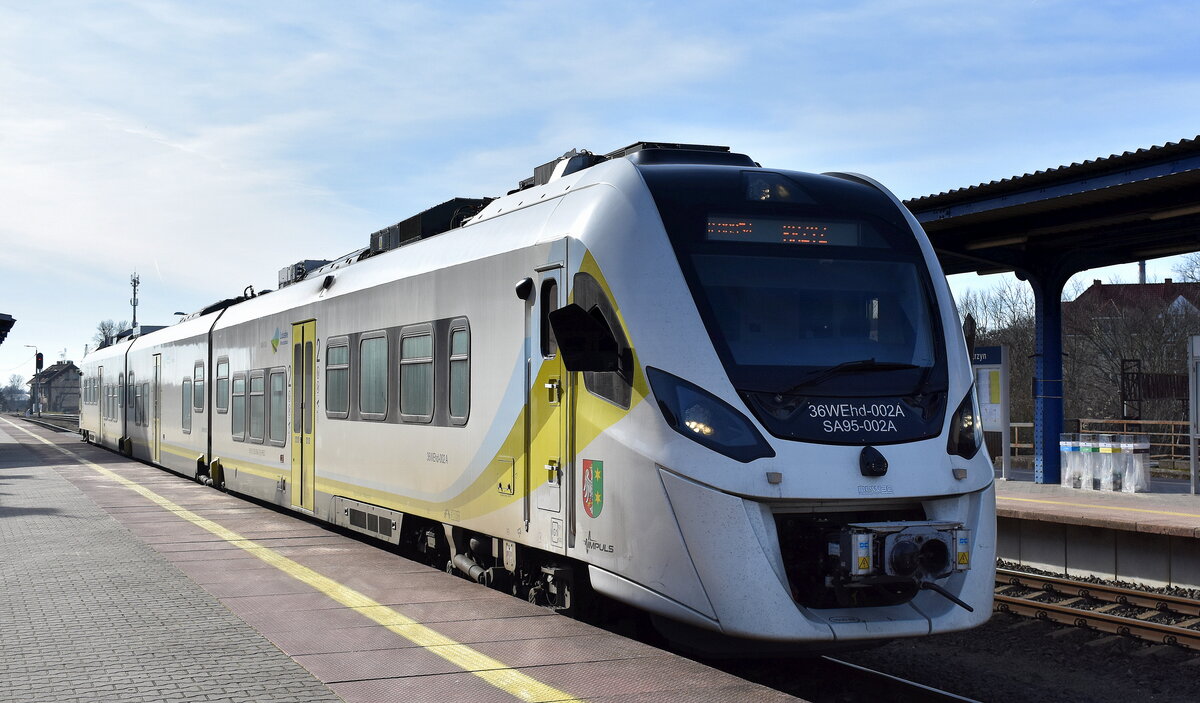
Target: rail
59,422
1154,617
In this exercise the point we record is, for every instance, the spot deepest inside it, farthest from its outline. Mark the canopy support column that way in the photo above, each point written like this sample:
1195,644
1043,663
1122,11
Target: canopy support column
1047,383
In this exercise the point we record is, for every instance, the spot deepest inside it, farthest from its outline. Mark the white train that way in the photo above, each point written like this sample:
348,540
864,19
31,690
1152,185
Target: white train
737,398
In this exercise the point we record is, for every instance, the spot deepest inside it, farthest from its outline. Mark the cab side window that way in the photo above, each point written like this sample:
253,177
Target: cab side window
614,386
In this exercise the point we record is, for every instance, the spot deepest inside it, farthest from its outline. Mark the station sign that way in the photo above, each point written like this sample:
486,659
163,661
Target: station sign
990,365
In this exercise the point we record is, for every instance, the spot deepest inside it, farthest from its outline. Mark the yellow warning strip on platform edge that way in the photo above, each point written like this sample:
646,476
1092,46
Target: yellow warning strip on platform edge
494,672
1102,507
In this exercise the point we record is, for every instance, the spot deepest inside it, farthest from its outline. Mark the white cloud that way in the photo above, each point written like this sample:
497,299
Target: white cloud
221,140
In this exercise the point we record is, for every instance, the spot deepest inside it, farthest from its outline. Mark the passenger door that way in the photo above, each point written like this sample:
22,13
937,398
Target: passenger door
304,346
547,462
155,410
103,405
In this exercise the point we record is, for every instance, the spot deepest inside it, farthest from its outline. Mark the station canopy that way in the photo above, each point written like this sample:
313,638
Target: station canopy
1126,207
6,324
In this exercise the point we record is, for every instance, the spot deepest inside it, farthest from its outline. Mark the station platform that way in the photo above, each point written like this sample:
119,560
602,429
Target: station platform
1151,538
123,582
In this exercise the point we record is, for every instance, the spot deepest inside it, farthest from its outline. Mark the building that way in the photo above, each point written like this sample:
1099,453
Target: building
57,387
1131,337
1167,297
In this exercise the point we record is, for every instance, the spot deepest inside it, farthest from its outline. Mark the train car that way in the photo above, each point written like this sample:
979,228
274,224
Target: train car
102,388
736,398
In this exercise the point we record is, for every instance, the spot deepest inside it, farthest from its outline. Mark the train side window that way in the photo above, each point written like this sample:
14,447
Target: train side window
238,408
373,376
198,388
416,373
120,394
187,405
143,396
549,303
337,377
130,393
221,401
278,424
460,372
258,408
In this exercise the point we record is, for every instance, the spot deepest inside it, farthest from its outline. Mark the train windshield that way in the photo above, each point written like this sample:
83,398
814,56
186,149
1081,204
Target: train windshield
809,285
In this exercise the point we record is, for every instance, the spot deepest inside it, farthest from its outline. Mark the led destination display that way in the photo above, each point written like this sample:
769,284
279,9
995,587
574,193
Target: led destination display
778,230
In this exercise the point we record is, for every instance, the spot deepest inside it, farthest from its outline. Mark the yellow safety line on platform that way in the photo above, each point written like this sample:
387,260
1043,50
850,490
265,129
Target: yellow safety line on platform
1105,507
494,672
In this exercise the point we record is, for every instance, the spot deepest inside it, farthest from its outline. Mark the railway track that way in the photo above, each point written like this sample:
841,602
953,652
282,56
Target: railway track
1154,617
59,422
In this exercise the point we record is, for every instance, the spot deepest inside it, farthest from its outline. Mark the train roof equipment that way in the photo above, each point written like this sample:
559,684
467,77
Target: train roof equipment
459,211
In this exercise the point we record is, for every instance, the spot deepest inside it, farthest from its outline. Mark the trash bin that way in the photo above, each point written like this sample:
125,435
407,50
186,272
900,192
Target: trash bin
1089,455
1137,464
1107,460
1068,448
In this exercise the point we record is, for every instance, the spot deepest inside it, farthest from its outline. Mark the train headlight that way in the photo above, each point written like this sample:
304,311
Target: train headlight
966,428
706,419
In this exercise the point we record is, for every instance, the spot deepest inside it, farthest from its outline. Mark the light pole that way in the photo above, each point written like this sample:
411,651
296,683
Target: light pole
35,403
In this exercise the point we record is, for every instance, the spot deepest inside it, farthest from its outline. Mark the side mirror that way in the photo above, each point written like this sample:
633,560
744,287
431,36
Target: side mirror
586,343
969,334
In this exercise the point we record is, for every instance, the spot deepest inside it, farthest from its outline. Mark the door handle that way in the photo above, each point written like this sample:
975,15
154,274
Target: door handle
555,391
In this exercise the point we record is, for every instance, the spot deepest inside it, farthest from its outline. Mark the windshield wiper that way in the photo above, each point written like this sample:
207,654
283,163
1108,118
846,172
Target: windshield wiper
867,365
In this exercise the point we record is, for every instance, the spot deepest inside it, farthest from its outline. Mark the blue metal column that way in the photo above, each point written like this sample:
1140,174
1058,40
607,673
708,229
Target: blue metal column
1048,385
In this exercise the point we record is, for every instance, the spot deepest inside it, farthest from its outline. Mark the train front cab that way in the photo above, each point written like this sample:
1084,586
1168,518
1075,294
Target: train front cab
743,462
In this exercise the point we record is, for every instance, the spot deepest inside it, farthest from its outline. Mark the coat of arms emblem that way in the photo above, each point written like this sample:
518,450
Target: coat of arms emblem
593,487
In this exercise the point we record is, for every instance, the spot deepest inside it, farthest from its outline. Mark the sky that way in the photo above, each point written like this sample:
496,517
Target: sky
207,145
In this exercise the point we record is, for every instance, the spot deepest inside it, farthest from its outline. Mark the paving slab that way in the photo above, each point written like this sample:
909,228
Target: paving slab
187,597
88,612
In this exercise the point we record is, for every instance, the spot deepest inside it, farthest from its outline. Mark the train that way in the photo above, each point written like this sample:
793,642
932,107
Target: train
737,399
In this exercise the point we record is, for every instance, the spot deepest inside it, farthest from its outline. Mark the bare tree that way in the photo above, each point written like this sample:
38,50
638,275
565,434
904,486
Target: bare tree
1004,315
1097,336
1189,268
106,332
11,395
